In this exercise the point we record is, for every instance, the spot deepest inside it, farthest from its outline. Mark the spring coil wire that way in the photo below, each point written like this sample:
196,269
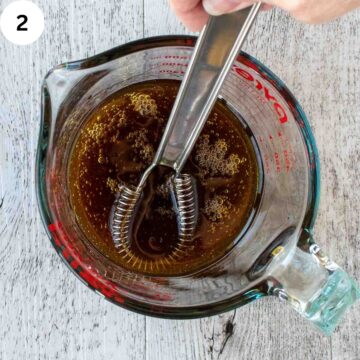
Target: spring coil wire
184,199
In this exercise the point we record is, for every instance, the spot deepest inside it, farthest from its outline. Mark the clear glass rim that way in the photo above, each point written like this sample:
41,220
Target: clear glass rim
163,311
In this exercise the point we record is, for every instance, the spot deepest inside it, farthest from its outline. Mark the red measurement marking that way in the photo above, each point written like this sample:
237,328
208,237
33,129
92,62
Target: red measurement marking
173,64
288,164
172,72
277,162
258,85
184,57
81,265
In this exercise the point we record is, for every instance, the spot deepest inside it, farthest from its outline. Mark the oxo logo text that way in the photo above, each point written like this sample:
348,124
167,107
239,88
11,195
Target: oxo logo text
266,92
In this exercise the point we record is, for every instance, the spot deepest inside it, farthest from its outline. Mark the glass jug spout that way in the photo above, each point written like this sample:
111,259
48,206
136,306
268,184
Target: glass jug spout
66,89
314,286
57,85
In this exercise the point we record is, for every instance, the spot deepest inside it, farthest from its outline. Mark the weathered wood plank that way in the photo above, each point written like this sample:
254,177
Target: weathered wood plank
45,312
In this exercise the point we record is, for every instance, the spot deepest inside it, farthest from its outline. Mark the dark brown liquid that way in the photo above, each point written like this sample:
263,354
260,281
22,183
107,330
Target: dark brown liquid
116,145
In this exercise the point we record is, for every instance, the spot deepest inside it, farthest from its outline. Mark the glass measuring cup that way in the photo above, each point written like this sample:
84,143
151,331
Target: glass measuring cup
274,254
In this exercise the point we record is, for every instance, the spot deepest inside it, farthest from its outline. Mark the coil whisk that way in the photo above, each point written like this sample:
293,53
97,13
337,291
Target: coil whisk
124,210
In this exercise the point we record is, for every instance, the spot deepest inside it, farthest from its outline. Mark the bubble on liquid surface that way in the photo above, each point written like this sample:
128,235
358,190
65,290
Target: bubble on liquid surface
144,104
213,159
217,208
141,145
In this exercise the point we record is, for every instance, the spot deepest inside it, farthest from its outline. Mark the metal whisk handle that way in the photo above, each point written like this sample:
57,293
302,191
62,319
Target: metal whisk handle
214,54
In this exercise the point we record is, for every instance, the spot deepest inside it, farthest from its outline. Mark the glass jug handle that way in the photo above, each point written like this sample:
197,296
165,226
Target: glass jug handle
315,286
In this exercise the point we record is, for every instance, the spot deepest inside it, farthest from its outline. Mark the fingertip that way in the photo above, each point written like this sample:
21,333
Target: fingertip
195,25
266,7
195,19
219,7
181,6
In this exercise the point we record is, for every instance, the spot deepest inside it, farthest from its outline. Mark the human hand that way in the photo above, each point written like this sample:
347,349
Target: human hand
194,13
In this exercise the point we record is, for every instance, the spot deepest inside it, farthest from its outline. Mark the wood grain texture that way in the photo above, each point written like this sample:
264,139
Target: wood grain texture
47,314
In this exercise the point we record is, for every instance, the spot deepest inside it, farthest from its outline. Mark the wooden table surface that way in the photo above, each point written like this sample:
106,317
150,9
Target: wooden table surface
45,313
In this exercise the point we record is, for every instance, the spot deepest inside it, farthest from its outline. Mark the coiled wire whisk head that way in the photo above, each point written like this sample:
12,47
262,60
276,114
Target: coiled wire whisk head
124,209
184,199
186,206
